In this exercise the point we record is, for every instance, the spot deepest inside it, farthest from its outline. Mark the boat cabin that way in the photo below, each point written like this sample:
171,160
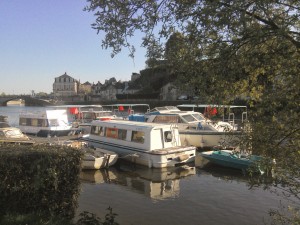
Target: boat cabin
145,136
124,110
149,144
45,123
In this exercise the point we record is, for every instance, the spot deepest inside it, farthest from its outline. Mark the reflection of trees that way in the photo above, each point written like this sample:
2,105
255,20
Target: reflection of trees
224,173
39,180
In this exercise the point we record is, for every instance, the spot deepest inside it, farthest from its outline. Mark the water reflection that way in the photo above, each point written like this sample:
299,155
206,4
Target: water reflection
223,173
154,183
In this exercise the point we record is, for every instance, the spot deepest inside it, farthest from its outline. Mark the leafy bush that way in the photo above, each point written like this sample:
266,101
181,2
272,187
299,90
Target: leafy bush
39,179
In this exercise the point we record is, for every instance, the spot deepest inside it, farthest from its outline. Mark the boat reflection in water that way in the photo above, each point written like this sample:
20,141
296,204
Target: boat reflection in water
156,183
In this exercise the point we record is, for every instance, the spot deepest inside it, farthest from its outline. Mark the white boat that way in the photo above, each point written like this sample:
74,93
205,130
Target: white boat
148,144
99,158
123,111
81,116
194,128
14,135
94,158
46,123
235,115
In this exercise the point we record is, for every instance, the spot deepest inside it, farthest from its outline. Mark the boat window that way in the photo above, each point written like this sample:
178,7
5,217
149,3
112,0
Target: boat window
95,130
189,118
98,130
102,131
3,125
122,134
42,123
22,121
53,122
111,132
166,119
1,134
34,122
138,136
28,122
168,136
198,117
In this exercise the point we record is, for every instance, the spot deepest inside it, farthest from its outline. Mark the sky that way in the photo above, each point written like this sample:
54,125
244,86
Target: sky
43,39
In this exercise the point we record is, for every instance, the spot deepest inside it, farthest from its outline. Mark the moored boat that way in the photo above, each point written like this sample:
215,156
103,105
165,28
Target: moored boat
148,144
194,128
81,116
98,158
229,158
14,135
46,123
93,158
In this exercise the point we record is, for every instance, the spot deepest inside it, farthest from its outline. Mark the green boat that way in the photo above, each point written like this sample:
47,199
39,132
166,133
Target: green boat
230,158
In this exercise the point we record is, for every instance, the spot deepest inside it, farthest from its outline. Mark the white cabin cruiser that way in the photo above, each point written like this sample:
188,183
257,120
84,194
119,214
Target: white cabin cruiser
148,144
81,116
46,123
194,128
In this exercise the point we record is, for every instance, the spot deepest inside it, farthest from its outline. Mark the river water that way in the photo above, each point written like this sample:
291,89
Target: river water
181,195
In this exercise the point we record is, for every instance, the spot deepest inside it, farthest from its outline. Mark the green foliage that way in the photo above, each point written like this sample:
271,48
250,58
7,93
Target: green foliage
87,218
152,79
41,179
226,50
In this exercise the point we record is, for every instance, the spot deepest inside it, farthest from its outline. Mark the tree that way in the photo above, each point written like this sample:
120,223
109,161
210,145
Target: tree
227,49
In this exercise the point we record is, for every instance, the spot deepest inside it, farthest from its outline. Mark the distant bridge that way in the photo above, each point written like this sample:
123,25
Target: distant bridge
29,101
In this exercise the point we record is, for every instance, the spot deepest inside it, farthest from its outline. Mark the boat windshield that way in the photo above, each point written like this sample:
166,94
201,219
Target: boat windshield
13,133
198,116
189,118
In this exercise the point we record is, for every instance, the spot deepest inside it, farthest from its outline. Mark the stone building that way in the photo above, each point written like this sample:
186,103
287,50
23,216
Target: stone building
65,85
85,88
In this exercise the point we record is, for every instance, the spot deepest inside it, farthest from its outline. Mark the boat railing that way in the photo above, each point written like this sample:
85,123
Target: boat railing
231,118
244,116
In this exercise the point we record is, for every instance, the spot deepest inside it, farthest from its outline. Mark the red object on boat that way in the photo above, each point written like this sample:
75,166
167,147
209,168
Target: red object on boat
105,118
121,108
73,110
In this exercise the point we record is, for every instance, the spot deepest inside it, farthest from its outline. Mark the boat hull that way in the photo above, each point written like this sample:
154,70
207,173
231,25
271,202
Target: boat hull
226,158
167,157
202,139
90,162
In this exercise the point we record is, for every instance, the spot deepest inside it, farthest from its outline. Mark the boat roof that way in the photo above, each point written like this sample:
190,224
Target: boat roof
127,123
75,106
168,110
210,105
121,104
43,113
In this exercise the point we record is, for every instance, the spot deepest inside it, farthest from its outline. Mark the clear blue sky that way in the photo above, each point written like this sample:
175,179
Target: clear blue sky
43,39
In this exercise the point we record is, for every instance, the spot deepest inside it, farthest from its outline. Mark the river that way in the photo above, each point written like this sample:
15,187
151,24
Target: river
181,195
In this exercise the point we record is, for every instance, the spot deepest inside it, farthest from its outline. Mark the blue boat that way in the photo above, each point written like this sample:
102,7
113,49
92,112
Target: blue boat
231,159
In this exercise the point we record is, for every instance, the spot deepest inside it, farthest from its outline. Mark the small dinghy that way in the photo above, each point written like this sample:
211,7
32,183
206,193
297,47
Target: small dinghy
98,158
94,158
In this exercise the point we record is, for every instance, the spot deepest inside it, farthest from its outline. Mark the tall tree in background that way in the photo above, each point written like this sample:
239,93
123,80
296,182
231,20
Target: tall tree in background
226,49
